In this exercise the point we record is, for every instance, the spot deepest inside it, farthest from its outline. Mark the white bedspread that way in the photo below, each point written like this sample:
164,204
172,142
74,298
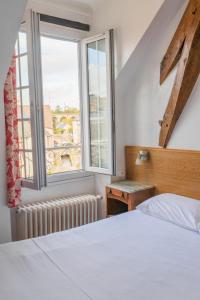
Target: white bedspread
131,256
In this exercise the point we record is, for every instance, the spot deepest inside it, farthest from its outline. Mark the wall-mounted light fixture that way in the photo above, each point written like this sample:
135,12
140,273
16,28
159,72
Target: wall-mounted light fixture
142,156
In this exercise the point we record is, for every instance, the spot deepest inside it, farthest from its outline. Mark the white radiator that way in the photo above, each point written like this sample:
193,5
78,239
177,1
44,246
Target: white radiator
46,217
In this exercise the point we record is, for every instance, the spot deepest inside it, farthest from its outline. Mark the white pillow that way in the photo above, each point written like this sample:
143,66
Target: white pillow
179,210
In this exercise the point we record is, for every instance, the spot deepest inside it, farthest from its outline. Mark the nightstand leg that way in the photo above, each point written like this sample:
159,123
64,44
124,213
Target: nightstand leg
131,204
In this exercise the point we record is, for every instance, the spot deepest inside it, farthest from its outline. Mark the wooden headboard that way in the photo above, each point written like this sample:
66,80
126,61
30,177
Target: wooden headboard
170,170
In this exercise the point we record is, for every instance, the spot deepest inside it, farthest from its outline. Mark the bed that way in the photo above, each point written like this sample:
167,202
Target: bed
130,256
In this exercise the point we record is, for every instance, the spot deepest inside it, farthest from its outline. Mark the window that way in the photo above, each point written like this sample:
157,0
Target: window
23,106
65,102
99,103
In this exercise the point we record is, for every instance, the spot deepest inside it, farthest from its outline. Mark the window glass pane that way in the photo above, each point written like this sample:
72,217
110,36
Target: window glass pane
93,70
26,164
22,42
23,103
26,103
22,164
102,74
24,70
25,158
16,48
104,155
19,115
17,73
29,164
93,106
94,131
27,135
60,68
103,130
20,134
98,105
95,155
24,132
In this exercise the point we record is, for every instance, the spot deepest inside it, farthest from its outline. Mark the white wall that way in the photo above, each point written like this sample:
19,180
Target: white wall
60,189
10,16
129,19
146,100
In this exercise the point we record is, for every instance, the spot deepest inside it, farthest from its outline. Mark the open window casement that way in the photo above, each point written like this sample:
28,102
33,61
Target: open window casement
39,160
29,95
98,103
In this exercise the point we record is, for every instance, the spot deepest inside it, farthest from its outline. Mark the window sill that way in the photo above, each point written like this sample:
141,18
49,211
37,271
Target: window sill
66,178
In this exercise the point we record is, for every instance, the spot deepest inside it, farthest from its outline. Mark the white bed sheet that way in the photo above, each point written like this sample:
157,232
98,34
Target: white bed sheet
131,256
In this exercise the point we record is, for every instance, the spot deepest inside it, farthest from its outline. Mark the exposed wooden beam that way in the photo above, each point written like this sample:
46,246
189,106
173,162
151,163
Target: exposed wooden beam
184,50
174,51
64,22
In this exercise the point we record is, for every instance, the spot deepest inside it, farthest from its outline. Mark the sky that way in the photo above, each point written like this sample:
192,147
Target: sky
60,72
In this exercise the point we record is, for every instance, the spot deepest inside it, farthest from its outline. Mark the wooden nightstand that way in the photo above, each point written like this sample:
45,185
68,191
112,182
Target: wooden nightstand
123,196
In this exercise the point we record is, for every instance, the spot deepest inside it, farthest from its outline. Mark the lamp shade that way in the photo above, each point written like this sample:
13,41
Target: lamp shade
142,156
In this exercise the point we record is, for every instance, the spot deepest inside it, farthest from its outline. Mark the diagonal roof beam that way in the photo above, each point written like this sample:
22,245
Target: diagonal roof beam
184,50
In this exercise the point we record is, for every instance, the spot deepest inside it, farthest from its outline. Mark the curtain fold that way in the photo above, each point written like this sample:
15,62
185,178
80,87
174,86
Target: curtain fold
12,140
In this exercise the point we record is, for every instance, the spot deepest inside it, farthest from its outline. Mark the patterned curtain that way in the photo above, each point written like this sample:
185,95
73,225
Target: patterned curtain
12,141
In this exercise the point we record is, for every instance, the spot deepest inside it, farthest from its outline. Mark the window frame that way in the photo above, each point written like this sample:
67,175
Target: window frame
36,96
32,183
59,177
20,88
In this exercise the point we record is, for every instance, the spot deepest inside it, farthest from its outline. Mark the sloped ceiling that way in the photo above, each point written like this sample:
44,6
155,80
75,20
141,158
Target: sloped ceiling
11,13
84,4
91,3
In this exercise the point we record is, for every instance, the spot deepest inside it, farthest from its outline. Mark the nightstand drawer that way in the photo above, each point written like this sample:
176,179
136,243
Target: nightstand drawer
116,193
